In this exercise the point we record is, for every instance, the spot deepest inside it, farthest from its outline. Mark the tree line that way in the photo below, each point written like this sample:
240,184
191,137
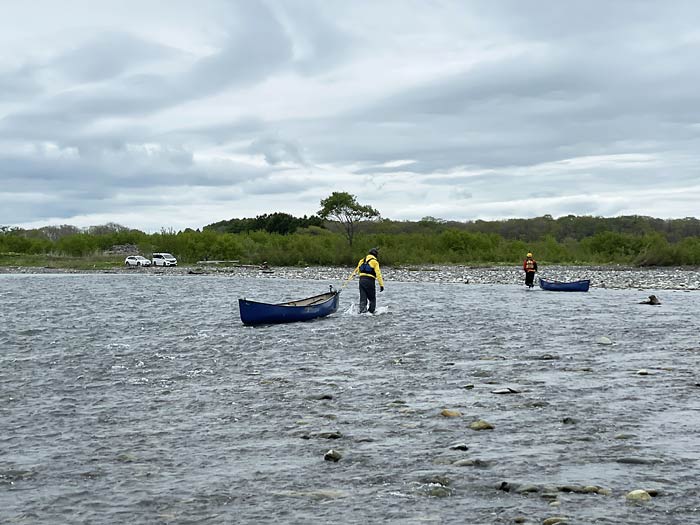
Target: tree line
282,223
641,241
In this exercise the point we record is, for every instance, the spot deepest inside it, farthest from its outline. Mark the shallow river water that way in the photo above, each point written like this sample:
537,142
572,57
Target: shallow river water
142,399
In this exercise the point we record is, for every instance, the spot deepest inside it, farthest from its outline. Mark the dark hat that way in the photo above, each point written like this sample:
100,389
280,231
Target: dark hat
374,251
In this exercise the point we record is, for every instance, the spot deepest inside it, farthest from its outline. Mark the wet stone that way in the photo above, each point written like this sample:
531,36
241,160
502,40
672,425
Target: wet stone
315,495
459,446
638,495
332,455
438,491
536,404
330,435
436,479
527,489
16,475
506,390
554,520
446,412
322,397
478,463
625,436
579,489
639,461
480,424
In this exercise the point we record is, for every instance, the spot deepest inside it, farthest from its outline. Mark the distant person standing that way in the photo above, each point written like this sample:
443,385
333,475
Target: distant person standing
369,272
530,267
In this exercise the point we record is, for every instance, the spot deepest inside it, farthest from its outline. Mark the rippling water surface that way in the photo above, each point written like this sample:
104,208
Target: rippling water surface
143,399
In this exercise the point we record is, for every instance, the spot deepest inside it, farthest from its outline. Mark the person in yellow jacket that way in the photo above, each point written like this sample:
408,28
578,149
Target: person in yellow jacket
370,273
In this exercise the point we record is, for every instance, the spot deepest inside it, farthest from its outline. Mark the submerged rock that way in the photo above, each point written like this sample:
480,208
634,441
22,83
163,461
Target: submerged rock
527,489
638,495
332,455
480,424
436,479
635,460
653,300
438,491
318,495
554,520
602,340
506,390
446,412
330,435
322,397
479,463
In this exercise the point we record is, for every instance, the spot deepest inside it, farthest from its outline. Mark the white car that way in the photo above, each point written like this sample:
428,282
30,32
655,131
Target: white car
164,259
136,260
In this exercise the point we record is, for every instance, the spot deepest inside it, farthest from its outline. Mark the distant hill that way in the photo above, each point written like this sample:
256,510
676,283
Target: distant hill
568,227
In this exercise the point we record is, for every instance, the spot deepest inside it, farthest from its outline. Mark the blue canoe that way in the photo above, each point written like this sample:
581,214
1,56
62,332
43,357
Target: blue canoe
253,313
556,286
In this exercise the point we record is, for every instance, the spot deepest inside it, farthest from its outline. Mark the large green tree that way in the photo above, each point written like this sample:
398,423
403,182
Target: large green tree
344,208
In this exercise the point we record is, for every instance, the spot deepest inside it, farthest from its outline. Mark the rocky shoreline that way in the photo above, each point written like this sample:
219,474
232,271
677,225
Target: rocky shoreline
618,277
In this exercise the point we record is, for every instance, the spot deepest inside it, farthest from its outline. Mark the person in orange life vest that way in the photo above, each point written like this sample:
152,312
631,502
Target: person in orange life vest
530,267
369,272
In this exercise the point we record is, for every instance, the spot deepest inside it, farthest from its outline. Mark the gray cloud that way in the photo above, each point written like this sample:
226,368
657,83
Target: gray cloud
108,55
576,108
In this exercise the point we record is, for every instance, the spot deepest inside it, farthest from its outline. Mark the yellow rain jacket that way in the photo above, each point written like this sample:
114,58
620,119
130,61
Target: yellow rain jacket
376,273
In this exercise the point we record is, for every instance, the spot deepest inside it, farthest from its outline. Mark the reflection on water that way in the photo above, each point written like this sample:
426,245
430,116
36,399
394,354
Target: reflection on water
143,398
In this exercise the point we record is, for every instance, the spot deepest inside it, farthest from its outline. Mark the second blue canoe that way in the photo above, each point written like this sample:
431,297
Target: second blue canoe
557,286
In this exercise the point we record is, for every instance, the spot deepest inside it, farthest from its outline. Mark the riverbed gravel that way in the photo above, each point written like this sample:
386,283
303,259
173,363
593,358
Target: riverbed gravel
618,277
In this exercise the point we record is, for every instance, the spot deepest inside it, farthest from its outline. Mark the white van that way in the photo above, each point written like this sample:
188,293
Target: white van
164,259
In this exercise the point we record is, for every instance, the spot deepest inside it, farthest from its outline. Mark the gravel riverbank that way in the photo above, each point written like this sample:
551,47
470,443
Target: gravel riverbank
686,278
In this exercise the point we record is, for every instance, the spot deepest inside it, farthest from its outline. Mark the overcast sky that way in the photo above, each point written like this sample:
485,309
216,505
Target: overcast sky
174,114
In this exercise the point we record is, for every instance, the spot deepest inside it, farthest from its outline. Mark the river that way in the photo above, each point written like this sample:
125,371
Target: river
142,398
